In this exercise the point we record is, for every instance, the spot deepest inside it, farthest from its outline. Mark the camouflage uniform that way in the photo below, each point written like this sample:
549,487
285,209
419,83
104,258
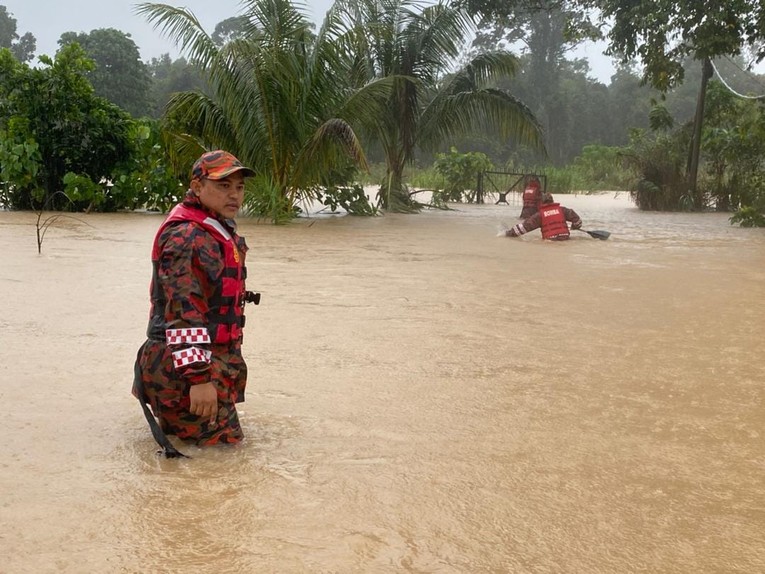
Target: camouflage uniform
188,276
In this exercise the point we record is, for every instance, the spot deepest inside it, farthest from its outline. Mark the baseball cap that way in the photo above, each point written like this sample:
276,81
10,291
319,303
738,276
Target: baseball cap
217,165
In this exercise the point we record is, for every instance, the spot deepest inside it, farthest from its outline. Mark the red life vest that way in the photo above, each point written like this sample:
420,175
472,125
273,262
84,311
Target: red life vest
226,307
532,196
554,224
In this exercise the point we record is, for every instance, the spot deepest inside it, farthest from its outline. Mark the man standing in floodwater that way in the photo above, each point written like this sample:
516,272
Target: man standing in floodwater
551,217
190,371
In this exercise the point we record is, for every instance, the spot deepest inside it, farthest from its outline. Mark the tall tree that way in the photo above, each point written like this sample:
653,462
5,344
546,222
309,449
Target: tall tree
662,33
546,30
429,104
23,47
119,76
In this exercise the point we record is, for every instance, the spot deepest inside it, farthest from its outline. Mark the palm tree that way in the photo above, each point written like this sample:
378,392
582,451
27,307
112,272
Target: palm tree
277,99
428,106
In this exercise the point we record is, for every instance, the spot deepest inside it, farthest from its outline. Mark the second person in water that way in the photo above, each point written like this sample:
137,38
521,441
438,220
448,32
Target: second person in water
552,218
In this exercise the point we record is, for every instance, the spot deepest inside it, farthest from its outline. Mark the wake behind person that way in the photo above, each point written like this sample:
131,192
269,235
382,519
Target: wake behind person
551,217
190,370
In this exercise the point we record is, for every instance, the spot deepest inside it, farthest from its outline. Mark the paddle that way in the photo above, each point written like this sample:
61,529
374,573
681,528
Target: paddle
597,234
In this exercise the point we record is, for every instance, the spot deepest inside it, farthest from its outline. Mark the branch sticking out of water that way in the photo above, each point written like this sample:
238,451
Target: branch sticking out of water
42,226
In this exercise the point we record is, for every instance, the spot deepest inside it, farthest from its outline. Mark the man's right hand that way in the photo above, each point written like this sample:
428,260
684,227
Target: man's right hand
204,401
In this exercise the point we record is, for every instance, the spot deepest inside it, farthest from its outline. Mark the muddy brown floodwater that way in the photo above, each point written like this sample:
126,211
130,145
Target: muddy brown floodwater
424,397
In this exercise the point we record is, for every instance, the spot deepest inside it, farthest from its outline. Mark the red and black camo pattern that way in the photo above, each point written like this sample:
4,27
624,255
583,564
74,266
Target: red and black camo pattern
217,165
168,394
187,279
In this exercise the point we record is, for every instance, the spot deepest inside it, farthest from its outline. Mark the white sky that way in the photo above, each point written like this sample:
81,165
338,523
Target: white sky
48,19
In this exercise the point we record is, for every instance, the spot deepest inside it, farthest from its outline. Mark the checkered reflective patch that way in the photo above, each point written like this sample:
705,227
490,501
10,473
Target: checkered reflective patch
186,336
190,355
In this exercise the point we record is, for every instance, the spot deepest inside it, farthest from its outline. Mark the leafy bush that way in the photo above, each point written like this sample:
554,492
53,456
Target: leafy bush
352,199
748,217
53,108
659,162
146,178
263,198
460,170
83,191
600,168
19,165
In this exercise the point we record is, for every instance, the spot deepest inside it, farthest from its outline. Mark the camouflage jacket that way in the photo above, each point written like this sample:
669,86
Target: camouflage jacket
188,275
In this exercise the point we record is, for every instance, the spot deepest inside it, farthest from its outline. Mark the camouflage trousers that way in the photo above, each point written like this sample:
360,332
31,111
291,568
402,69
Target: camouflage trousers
168,395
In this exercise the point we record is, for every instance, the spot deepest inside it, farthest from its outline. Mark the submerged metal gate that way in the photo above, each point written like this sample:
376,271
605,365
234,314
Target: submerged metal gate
498,185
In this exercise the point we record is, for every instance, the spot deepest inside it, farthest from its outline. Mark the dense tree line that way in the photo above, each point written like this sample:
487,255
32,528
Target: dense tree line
394,83
572,108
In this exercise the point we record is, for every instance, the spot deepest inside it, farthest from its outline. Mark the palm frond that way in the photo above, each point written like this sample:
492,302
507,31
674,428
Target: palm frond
182,27
485,110
333,143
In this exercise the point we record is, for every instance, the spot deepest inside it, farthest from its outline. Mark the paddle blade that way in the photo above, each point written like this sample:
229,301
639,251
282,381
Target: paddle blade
597,234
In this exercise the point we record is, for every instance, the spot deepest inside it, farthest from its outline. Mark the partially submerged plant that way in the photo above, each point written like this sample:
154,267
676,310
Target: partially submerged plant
43,224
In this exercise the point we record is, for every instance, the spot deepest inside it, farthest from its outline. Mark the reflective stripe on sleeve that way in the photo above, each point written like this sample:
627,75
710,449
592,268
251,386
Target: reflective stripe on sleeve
187,336
189,356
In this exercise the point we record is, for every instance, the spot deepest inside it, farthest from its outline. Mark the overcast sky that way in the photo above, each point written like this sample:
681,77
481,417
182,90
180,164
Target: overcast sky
48,19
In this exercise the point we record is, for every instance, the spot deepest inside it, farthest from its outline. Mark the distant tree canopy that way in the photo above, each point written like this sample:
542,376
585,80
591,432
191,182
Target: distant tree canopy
119,75
22,47
230,29
662,33
170,77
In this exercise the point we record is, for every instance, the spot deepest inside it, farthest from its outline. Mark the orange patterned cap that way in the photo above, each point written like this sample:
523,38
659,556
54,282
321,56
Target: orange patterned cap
217,165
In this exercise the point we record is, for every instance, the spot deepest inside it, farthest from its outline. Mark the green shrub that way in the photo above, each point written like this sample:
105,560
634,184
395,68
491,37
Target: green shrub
460,172
264,199
748,217
352,199
83,191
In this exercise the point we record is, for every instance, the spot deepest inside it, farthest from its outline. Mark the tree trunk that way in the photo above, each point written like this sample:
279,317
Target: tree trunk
393,195
698,121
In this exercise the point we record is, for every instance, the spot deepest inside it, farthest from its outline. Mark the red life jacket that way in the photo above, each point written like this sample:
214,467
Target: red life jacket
532,196
554,224
225,316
